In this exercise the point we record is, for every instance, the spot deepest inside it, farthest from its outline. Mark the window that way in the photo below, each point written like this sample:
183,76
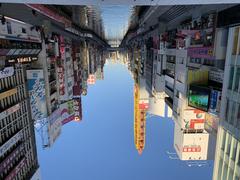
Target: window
230,174
238,117
225,169
232,117
226,110
236,80
220,168
234,149
231,78
229,140
223,140
235,41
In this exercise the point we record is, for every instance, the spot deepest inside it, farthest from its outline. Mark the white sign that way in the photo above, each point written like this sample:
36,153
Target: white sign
5,147
9,111
6,72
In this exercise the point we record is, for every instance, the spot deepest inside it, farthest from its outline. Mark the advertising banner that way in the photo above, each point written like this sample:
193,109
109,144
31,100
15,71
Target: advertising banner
36,88
67,112
77,105
215,101
8,93
61,80
212,121
201,52
198,97
7,72
9,111
192,148
199,77
193,119
7,145
11,158
143,104
54,126
16,170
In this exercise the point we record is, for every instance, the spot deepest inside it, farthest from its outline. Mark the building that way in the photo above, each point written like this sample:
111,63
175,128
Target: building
18,155
227,156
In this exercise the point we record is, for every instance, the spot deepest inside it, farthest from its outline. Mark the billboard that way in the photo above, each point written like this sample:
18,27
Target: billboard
36,88
198,97
193,119
67,112
212,121
61,80
190,146
77,105
54,126
215,101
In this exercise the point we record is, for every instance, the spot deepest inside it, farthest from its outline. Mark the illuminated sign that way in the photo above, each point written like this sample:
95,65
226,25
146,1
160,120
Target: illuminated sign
198,97
16,170
9,111
22,60
8,93
6,72
11,158
7,145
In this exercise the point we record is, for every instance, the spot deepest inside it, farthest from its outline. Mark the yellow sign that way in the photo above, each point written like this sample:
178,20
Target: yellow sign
199,77
8,93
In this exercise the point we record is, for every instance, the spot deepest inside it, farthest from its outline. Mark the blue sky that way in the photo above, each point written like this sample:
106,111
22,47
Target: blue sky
101,147
115,20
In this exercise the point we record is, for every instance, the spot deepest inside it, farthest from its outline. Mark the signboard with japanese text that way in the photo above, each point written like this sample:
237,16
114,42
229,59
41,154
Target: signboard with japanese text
77,105
193,119
201,52
36,88
7,72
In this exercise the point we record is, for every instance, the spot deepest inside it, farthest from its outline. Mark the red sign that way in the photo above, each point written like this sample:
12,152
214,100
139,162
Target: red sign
196,123
143,104
192,149
70,118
